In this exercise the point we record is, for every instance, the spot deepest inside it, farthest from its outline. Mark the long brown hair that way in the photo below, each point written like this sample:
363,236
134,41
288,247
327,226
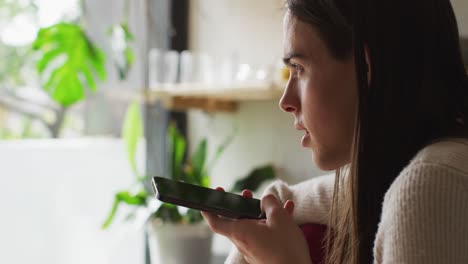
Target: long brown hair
418,93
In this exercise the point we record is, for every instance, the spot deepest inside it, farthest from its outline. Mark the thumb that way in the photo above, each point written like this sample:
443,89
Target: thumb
289,206
273,209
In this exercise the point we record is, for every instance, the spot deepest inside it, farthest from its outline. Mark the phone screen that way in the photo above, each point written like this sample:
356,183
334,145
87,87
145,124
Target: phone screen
206,199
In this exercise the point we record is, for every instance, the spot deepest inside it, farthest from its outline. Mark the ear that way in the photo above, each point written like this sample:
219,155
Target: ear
368,63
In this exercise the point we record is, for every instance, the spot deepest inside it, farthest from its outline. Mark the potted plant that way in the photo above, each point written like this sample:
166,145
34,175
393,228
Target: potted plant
176,235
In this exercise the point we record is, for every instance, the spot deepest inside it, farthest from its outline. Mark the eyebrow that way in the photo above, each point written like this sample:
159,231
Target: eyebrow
289,56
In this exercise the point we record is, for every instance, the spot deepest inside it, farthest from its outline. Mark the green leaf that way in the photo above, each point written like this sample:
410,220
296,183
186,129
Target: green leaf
188,175
88,75
138,199
192,216
198,161
74,91
176,151
132,132
111,215
98,61
71,59
205,180
128,33
129,55
47,57
168,213
254,179
128,198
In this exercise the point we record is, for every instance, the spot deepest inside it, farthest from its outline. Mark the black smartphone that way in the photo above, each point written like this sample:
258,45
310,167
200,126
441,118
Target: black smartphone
205,199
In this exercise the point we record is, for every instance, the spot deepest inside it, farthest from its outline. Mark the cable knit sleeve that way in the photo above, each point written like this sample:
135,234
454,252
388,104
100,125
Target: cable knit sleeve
312,198
312,202
424,217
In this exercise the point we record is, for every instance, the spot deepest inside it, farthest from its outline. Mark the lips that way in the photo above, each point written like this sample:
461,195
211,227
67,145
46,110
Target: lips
305,142
306,138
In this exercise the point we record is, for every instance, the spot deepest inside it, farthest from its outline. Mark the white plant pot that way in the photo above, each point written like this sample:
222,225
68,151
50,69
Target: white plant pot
179,244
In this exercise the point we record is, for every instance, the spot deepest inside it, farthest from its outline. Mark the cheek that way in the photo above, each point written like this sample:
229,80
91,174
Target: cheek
335,95
320,119
319,106
328,109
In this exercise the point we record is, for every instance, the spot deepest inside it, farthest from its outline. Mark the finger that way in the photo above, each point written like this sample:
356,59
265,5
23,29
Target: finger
273,209
289,206
247,193
218,225
269,201
220,189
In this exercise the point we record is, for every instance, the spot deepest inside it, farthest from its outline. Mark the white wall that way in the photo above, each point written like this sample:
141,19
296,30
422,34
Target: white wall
250,29
54,198
461,11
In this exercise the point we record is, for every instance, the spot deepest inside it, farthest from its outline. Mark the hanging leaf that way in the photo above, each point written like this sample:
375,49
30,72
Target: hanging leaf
254,179
128,198
68,62
138,199
132,132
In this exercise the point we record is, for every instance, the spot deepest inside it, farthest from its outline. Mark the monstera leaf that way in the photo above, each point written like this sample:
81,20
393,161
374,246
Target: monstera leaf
68,62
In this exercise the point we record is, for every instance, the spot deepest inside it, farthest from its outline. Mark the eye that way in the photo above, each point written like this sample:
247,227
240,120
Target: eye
297,69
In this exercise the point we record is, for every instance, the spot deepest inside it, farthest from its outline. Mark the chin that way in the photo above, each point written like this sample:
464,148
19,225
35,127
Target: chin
327,162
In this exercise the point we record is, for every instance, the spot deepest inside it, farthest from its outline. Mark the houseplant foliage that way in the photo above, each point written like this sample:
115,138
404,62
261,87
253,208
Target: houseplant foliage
194,170
70,65
66,61
69,62
254,179
174,236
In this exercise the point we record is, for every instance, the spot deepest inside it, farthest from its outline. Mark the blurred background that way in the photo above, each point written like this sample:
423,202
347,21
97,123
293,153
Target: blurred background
98,96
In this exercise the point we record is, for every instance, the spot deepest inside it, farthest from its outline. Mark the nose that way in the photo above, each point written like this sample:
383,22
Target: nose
289,102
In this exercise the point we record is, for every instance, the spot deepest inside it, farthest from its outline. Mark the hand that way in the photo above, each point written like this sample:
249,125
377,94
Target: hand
276,239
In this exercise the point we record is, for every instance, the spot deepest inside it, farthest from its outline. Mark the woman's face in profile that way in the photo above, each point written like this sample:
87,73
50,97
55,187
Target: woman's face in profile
321,93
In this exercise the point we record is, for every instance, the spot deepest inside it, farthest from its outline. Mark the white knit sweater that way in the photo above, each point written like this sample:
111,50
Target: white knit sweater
424,214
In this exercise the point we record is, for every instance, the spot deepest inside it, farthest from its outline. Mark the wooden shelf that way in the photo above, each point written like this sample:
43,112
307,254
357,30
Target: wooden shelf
212,98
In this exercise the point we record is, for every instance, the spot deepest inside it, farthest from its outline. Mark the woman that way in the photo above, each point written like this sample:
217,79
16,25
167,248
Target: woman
380,90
